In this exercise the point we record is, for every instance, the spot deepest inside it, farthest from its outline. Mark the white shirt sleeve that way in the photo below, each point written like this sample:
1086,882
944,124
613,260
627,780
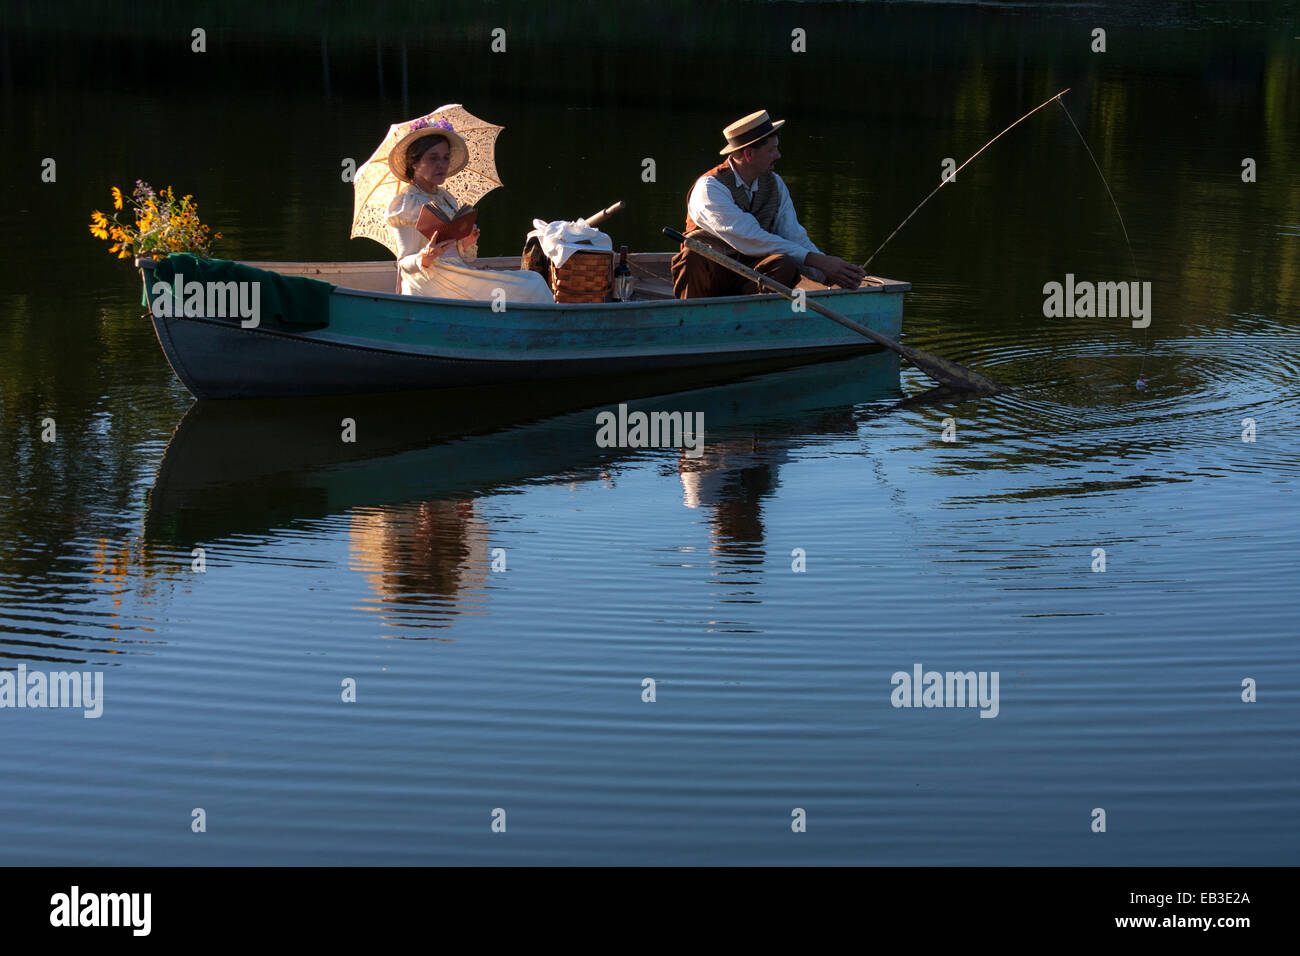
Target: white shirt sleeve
712,208
403,212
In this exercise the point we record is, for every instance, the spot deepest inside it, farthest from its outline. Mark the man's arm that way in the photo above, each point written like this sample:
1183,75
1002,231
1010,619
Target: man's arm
817,265
713,209
788,226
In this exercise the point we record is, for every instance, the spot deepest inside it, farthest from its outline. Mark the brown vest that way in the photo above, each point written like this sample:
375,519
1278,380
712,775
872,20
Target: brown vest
766,202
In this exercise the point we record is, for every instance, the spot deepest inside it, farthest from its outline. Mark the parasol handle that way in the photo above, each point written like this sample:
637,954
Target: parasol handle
605,213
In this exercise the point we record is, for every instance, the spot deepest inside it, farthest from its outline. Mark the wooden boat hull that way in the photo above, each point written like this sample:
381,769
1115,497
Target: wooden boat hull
381,342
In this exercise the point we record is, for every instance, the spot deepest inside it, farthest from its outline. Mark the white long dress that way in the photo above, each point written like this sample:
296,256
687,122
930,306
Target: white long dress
448,276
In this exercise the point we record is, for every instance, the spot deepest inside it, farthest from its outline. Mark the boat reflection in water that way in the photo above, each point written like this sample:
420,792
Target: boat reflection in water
409,486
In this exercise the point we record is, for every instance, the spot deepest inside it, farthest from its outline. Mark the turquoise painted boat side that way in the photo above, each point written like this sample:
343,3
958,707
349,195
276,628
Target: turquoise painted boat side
475,331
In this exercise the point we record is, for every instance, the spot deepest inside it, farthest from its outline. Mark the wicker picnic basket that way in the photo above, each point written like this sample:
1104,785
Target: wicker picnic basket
584,277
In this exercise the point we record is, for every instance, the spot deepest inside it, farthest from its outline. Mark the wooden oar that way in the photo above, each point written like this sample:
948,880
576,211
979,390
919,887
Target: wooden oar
940,369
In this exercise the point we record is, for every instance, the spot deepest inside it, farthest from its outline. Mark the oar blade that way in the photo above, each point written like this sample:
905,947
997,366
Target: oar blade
950,373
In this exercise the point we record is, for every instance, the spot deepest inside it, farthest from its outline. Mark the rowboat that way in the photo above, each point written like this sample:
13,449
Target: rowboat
359,336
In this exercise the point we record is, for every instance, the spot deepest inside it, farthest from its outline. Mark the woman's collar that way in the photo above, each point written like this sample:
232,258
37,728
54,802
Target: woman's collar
437,193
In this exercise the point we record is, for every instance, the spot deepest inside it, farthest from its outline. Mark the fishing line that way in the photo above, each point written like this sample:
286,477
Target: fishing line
1133,259
953,175
950,177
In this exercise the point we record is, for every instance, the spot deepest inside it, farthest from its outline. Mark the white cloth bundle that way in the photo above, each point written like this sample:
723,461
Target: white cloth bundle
561,239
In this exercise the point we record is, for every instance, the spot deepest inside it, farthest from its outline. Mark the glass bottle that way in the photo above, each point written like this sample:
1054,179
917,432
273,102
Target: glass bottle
623,280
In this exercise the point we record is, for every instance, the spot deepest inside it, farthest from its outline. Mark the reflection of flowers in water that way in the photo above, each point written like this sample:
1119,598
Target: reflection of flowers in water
425,562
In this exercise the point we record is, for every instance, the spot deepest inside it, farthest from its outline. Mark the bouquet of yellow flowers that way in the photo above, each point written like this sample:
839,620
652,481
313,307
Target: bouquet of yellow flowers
163,224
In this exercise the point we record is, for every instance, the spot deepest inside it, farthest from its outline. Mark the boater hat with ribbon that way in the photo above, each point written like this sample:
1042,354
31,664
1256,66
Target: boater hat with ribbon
425,126
747,131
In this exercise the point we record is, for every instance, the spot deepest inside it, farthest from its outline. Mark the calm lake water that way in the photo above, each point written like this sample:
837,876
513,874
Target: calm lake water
522,689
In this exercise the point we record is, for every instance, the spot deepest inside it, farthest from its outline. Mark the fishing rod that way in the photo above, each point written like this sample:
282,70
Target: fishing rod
953,175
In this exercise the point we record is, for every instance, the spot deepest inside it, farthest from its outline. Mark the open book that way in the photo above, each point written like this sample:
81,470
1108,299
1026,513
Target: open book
434,224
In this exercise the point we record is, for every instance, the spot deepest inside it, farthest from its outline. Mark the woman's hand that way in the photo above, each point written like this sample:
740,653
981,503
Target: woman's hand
467,248
432,251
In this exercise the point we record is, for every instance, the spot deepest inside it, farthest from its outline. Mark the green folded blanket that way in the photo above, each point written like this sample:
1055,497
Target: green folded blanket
287,303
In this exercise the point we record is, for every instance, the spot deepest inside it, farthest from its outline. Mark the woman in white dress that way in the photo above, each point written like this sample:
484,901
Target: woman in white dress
424,159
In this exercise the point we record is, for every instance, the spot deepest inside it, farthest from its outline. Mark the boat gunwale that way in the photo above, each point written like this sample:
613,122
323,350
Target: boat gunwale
887,286
895,288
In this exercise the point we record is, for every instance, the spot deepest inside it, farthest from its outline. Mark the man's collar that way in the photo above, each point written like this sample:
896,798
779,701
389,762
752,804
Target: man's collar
752,187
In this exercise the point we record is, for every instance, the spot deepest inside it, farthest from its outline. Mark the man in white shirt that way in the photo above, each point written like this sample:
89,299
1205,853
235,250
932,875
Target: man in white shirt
743,209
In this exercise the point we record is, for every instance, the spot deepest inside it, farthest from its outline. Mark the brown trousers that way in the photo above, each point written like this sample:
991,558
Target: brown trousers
695,277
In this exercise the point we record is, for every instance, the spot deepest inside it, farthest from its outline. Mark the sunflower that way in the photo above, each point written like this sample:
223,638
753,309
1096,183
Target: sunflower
161,222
